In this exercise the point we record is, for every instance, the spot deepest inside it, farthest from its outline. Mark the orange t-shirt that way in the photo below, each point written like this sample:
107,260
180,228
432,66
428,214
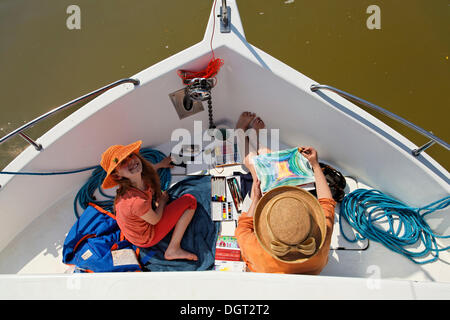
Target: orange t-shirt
129,209
258,260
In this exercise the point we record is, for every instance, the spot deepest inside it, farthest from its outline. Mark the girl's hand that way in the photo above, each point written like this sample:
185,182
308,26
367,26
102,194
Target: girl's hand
165,163
164,198
160,205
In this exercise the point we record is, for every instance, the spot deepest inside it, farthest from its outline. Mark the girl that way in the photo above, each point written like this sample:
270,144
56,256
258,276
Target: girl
145,222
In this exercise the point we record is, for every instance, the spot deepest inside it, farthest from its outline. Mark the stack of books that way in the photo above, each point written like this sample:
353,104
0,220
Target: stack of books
228,255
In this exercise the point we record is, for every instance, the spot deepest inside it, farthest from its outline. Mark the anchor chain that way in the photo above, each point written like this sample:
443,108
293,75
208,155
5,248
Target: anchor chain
210,114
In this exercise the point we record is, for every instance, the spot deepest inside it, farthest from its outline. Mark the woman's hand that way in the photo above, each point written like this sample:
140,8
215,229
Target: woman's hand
311,155
256,190
322,188
255,196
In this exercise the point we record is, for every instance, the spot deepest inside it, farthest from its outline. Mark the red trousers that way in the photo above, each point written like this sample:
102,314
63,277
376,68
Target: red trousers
171,214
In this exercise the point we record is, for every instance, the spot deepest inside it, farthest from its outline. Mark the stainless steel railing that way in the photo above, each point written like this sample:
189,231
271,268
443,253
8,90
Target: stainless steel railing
391,115
64,106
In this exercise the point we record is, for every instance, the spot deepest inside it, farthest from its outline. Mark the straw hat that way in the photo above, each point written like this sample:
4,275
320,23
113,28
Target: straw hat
113,156
290,224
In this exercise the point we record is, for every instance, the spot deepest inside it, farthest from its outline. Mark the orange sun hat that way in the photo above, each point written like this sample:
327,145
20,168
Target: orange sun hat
113,156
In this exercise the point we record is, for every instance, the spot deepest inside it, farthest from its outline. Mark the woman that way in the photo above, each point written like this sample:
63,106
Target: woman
258,258
142,223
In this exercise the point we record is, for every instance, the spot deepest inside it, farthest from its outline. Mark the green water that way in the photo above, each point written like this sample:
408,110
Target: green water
403,67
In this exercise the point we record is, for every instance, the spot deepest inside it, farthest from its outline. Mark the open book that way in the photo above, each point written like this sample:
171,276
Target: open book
282,168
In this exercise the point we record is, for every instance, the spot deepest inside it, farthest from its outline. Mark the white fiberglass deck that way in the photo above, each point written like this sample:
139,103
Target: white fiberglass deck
37,212
38,249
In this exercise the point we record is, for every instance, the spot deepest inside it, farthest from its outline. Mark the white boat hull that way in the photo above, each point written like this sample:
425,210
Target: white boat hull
36,211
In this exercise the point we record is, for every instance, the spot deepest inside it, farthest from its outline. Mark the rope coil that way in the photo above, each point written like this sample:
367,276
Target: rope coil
210,71
213,66
367,211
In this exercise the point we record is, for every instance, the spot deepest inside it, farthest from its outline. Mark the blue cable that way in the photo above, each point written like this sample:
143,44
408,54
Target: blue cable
365,210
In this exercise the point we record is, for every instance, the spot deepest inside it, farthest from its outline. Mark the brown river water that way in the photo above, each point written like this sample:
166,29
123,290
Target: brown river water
403,66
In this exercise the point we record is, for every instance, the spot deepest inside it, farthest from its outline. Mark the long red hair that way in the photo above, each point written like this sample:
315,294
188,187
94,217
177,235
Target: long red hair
149,175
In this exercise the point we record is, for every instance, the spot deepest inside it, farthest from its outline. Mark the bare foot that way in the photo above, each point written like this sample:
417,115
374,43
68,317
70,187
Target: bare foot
244,120
258,124
178,253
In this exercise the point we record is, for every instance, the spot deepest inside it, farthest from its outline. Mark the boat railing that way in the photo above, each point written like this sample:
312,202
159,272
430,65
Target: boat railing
85,97
415,152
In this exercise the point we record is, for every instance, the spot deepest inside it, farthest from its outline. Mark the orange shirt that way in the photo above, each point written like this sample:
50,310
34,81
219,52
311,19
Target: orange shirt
258,260
129,209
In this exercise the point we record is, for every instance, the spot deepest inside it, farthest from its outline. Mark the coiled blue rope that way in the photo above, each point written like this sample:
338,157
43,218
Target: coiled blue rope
86,194
368,210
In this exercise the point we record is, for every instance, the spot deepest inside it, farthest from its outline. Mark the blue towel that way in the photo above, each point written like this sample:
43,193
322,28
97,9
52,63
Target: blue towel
200,236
